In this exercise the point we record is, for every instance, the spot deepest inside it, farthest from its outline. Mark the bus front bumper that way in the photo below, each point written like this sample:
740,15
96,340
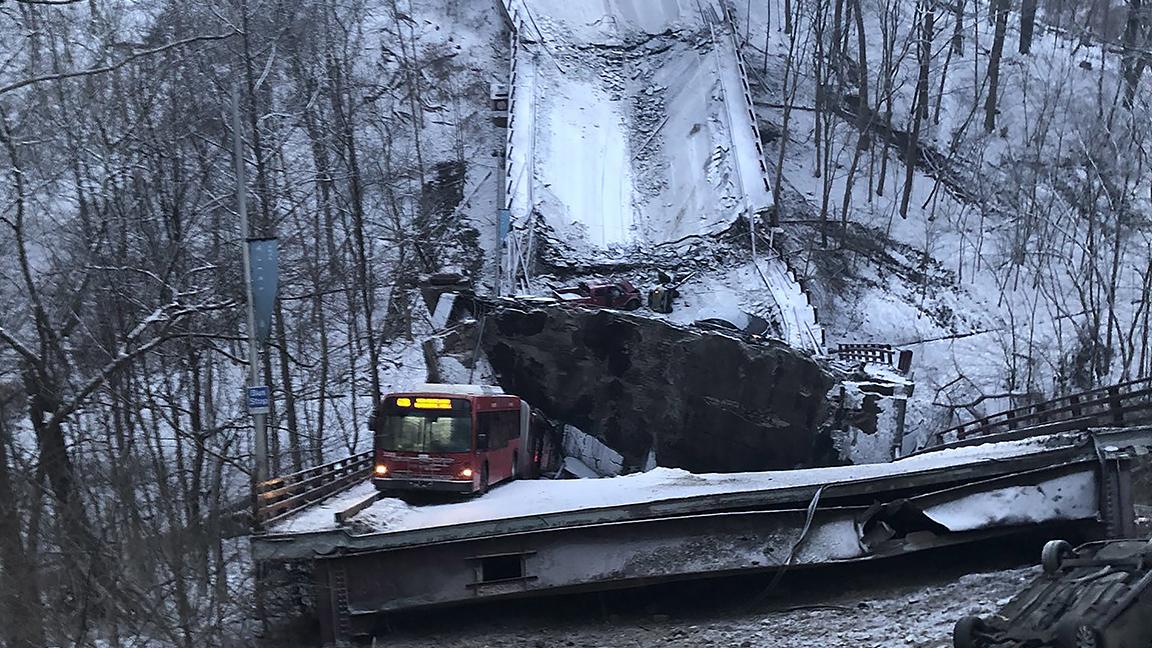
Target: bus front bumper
423,484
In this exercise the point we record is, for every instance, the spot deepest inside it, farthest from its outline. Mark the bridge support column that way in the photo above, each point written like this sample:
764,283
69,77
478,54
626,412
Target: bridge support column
331,595
1116,504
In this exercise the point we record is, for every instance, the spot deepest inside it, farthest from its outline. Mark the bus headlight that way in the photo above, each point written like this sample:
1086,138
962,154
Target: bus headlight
466,473
381,470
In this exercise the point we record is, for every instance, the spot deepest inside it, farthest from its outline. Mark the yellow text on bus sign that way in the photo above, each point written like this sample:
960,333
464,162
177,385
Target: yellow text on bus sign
403,402
433,403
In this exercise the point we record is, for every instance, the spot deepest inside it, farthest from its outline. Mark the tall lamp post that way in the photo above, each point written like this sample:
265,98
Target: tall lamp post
260,279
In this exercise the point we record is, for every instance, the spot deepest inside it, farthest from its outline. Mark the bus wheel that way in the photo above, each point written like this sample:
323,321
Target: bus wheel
483,479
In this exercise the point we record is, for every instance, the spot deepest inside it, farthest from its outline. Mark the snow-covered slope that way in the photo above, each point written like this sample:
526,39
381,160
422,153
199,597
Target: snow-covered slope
631,126
1021,269
632,129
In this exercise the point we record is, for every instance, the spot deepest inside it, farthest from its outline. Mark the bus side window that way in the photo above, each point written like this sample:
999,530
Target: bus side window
483,431
500,428
511,426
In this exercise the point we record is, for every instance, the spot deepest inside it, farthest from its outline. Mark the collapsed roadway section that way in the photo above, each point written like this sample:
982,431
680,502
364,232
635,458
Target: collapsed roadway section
545,537
631,137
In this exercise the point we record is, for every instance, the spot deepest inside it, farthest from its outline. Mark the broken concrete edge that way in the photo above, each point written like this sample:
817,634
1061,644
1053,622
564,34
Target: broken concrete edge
706,402
713,544
362,620
338,541
851,429
483,306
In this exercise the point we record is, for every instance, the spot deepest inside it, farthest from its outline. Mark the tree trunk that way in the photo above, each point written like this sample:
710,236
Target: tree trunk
290,414
21,595
920,107
1002,7
958,28
1027,25
341,105
791,83
863,113
1134,60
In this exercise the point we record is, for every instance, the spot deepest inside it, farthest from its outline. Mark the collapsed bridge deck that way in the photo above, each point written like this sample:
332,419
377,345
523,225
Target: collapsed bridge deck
554,536
662,491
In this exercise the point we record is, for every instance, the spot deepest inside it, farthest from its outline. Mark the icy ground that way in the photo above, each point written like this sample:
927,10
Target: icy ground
917,615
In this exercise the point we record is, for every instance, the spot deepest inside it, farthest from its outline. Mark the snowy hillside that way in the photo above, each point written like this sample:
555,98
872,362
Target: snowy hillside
966,180
1021,266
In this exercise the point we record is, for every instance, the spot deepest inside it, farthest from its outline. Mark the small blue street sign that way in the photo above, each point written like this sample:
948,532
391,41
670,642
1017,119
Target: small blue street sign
258,399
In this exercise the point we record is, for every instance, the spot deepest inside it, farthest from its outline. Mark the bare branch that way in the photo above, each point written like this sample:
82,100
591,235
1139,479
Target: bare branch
109,68
167,315
19,346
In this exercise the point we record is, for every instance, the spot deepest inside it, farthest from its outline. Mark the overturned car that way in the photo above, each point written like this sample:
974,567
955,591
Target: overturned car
1098,595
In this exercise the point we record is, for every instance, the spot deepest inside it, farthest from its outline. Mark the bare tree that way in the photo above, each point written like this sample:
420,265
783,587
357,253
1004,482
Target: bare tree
990,105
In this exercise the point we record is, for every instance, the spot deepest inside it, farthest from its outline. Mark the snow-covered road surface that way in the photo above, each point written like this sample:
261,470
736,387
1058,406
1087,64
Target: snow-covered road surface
539,497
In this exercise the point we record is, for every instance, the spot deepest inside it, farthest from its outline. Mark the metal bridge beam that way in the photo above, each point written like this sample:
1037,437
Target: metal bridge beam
353,589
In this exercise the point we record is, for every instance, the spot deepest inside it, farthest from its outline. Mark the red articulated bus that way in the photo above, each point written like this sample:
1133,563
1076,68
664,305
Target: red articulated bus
457,439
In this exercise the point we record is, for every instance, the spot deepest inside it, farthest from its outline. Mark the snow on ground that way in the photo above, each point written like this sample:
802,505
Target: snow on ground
592,196
763,287
640,132
1011,318
539,497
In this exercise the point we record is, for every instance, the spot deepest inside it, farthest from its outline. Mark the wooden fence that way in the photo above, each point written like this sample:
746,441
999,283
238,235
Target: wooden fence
284,495
1122,404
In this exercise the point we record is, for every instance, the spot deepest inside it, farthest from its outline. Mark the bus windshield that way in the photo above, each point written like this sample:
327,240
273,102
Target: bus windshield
426,432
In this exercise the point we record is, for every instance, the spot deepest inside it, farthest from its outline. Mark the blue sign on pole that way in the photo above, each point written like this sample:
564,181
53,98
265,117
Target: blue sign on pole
505,223
264,259
258,399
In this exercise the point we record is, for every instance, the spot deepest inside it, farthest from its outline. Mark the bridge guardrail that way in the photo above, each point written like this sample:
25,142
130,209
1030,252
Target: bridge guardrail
1115,405
284,495
878,353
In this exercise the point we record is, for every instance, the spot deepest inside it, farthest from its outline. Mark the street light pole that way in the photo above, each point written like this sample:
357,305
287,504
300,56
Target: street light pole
259,418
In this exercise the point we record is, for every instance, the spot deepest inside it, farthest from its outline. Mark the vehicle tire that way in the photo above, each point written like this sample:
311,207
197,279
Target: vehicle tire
1074,633
632,304
1053,554
965,633
483,480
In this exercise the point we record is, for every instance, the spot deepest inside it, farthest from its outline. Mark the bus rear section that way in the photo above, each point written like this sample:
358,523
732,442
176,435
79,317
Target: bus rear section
446,441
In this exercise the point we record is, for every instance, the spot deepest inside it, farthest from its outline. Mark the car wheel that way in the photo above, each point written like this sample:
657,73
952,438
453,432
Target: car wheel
632,304
1053,554
966,632
1072,633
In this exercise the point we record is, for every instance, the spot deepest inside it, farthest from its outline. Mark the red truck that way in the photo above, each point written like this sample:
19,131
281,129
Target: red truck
620,294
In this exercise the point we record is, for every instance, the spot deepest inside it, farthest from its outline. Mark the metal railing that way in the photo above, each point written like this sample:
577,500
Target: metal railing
1125,403
878,353
284,495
